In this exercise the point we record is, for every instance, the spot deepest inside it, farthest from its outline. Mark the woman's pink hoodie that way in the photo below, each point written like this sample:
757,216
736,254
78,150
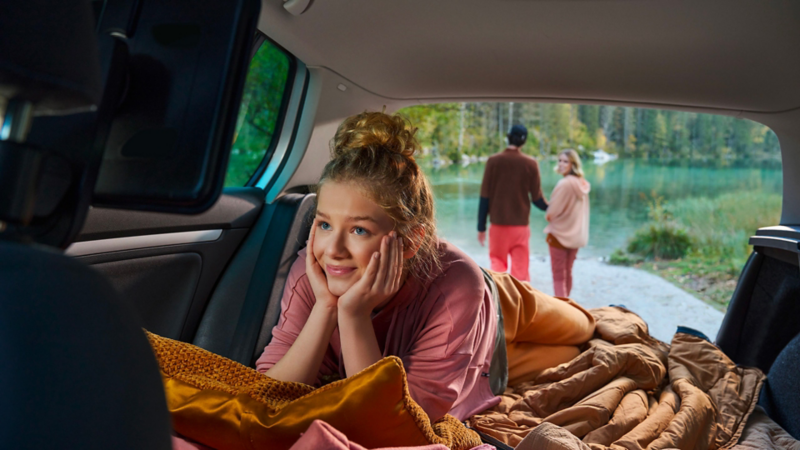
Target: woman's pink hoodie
569,212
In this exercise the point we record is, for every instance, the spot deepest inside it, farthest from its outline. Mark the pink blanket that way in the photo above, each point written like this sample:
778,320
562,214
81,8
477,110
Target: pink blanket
320,436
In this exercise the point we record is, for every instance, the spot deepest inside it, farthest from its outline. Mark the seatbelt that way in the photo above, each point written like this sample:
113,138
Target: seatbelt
498,370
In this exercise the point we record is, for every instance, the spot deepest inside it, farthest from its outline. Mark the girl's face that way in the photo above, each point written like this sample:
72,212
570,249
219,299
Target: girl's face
350,227
564,164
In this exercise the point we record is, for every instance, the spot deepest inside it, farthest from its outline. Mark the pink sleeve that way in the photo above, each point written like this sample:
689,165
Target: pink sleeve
296,304
449,353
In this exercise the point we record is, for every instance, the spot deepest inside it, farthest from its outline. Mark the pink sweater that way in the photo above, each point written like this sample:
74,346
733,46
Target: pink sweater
444,332
569,212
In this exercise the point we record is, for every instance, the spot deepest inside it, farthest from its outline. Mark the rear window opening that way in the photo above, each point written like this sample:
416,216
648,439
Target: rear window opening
674,198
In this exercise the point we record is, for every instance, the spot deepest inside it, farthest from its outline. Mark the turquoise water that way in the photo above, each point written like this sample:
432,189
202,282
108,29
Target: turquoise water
620,190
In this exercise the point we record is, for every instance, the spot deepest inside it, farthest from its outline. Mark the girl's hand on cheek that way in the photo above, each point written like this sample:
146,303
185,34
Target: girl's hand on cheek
319,283
380,281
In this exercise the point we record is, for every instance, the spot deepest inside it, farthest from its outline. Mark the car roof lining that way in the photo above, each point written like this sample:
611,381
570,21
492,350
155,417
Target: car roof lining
727,55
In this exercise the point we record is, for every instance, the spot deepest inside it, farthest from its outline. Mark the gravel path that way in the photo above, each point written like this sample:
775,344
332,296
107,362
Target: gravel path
662,305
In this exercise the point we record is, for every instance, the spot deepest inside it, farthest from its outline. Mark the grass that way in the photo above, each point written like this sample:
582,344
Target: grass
718,230
710,281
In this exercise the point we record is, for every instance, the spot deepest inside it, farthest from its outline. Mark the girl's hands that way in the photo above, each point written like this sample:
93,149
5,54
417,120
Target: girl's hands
380,281
319,284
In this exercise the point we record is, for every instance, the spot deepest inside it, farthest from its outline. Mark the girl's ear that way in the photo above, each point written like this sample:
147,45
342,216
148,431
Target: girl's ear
411,243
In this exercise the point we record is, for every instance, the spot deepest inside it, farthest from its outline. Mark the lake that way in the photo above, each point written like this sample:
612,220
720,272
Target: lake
619,196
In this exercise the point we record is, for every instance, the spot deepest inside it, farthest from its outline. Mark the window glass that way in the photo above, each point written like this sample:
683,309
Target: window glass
264,91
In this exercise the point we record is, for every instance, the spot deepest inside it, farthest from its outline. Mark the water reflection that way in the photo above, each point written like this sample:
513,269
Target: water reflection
618,199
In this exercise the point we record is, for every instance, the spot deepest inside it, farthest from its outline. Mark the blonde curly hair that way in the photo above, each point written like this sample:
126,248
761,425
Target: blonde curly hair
376,151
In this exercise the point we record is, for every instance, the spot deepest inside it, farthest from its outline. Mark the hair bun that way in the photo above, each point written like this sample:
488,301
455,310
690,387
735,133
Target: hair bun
377,132
375,152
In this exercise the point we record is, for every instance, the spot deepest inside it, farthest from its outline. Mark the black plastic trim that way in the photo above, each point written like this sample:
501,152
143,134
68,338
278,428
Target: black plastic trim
791,245
782,237
236,208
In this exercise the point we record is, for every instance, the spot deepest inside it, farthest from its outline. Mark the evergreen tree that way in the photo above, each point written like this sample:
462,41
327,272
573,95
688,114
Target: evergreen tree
451,130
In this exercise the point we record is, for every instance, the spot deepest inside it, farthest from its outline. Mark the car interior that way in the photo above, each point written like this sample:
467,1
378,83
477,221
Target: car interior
101,234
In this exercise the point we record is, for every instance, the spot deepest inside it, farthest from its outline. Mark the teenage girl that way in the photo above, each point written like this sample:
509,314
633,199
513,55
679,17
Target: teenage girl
568,214
374,280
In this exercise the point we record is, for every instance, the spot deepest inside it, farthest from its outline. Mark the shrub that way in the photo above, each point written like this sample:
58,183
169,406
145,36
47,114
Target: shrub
621,258
719,226
660,240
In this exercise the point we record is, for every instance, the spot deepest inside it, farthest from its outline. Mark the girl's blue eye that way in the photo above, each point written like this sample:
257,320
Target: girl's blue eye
325,226
360,231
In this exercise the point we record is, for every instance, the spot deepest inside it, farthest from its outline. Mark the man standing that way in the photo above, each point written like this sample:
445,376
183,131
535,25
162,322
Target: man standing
511,182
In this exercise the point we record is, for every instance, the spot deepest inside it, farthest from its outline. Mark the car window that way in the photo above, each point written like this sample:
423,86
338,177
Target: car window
675,195
260,112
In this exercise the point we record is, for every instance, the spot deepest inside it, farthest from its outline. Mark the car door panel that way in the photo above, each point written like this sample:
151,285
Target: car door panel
166,265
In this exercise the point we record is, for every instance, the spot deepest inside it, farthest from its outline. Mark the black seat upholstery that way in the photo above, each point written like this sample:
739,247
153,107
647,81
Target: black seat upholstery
245,304
781,394
761,329
77,370
762,315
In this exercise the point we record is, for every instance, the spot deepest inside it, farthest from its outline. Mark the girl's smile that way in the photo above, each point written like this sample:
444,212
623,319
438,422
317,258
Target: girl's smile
338,271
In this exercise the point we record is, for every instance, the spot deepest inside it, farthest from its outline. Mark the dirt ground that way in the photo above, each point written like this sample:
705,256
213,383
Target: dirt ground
662,305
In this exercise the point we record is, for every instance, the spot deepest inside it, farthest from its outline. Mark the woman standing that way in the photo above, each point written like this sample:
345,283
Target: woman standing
568,215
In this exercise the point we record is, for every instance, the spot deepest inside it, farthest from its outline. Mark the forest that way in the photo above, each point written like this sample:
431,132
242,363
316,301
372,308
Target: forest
453,132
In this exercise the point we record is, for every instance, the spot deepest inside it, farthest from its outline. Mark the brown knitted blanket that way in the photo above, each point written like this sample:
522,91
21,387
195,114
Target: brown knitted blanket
628,390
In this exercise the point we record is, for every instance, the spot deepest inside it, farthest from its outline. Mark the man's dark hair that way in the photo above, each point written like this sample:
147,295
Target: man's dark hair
518,135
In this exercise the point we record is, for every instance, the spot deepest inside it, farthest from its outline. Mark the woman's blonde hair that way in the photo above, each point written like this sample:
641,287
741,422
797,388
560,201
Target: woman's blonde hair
376,151
575,161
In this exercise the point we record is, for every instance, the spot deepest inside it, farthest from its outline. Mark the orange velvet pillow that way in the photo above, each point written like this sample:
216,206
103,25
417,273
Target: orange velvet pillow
225,405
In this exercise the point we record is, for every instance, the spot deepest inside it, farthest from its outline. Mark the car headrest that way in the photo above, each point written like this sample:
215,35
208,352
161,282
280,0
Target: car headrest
39,65
78,371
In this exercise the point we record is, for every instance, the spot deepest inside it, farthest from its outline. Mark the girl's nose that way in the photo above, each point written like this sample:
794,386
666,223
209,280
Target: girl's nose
335,247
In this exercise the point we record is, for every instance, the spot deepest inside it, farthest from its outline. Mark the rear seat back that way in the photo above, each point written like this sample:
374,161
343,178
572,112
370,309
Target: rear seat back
297,237
245,305
761,329
762,315
781,394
